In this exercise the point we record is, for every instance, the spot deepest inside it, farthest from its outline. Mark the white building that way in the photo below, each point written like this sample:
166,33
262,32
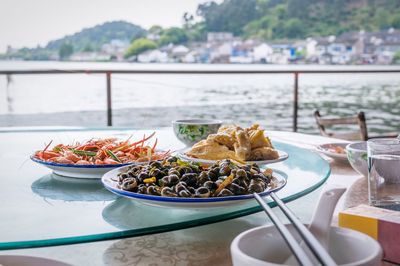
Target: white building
190,57
224,49
262,53
280,58
153,56
179,51
219,36
221,53
311,47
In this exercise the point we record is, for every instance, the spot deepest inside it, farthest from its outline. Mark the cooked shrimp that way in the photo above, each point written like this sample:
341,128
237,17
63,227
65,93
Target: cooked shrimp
102,151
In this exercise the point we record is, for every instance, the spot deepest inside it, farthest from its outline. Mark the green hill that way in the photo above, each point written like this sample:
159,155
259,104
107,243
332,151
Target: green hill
291,19
94,37
89,39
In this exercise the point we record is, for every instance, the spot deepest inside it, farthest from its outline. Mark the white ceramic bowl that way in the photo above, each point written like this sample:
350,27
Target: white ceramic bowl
191,131
327,150
358,156
264,245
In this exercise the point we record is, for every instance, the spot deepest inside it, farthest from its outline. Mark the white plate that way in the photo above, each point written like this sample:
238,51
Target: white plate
182,154
78,171
324,148
109,181
81,171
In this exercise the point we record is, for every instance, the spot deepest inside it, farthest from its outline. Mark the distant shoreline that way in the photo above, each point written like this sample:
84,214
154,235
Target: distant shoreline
70,65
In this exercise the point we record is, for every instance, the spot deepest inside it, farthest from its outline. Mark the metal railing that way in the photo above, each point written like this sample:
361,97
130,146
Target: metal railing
108,73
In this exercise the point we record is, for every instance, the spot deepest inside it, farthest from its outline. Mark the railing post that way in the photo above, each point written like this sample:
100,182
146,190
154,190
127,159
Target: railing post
295,100
109,106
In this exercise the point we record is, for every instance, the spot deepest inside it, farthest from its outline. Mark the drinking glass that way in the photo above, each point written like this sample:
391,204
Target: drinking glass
384,172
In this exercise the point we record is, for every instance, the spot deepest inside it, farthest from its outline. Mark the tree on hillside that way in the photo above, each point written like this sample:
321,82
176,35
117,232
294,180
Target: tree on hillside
65,51
155,29
293,19
88,48
173,35
396,58
139,46
395,21
230,15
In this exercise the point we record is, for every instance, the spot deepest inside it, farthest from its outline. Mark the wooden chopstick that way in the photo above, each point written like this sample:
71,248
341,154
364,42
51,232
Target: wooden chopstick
316,248
294,246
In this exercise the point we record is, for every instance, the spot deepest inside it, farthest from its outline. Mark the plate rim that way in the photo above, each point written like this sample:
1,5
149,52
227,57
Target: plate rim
181,154
78,165
153,198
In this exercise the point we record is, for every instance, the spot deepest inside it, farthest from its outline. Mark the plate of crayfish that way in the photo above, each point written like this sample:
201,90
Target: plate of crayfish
95,157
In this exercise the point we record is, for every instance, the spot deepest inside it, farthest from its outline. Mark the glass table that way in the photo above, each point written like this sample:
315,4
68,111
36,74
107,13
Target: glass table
42,209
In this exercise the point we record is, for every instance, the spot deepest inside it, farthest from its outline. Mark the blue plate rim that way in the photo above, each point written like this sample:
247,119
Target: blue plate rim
78,166
153,198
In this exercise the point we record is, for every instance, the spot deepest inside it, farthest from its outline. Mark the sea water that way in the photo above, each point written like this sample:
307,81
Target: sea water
146,101
384,180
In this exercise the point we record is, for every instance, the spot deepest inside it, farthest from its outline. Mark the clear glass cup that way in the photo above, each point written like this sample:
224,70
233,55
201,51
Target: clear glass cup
384,172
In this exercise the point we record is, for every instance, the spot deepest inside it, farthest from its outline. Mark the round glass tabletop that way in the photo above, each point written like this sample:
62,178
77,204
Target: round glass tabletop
42,209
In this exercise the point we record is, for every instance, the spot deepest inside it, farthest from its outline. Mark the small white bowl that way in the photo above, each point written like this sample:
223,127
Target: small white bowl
358,156
262,246
191,131
326,149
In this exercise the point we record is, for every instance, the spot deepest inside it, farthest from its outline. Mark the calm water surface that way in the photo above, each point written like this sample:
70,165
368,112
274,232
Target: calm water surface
144,101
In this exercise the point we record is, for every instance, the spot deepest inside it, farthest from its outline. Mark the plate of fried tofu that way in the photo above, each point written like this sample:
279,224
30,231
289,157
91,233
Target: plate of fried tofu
243,145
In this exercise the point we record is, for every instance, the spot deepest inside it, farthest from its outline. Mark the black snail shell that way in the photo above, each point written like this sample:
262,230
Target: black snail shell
154,172
180,186
212,175
142,176
192,190
171,159
152,190
156,164
169,180
202,192
241,173
236,189
184,193
168,192
185,170
224,193
203,177
173,171
142,189
210,185
129,184
257,185
122,176
190,179
225,170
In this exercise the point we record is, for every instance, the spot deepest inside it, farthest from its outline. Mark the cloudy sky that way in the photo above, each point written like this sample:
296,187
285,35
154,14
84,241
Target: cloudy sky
32,22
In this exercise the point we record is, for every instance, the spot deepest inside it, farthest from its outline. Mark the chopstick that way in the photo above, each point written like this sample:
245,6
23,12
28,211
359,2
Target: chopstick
294,246
317,249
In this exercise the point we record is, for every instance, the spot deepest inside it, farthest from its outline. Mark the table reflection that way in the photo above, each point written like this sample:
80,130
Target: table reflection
58,187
